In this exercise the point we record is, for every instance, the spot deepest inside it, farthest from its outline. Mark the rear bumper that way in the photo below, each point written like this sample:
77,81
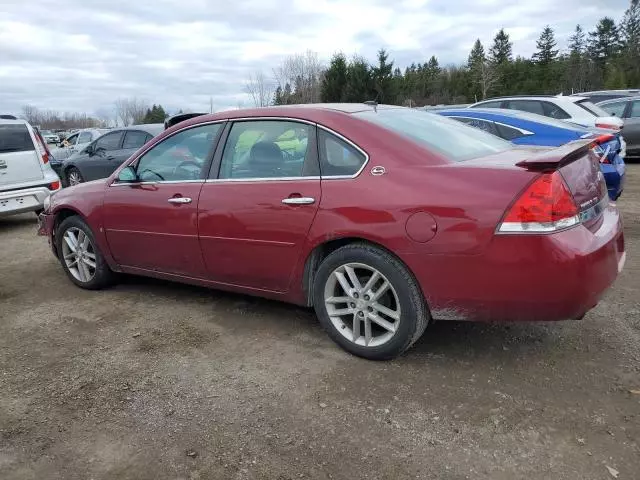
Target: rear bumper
559,276
23,200
614,176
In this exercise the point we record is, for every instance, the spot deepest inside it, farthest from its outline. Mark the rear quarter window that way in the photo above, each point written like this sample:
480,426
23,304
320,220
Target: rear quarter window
15,138
337,157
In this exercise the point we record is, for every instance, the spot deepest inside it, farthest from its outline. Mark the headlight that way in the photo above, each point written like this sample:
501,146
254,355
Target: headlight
47,203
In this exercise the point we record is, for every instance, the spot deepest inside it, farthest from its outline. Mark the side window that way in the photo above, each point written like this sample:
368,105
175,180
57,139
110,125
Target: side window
635,109
337,157
532,106
109,141
554,111
179,157
134,139
84,137
485,125
493,104
266,149
509,133
72,139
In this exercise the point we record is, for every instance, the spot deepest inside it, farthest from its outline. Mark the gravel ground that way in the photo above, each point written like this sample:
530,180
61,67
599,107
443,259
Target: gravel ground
158,380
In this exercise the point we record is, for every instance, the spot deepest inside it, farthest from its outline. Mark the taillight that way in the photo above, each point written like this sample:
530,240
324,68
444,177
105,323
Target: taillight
545,206
42,148
600,150
608,125
54,185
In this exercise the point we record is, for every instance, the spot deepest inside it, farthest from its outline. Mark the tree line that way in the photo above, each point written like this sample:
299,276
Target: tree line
605,57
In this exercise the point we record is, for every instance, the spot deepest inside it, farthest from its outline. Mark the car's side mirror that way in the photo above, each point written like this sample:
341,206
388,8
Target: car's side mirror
127,175
89,149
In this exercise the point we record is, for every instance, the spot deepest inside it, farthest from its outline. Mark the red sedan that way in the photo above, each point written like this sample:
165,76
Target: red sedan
381,218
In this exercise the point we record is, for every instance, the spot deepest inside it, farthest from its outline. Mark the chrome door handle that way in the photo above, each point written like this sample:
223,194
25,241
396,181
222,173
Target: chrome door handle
179,200
299,201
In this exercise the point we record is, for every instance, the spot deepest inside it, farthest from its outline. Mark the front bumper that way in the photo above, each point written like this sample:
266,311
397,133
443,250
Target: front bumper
24,200
558,276
45,229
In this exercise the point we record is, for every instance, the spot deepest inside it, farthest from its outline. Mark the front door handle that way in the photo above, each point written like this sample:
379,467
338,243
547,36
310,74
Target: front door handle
299,201
179,200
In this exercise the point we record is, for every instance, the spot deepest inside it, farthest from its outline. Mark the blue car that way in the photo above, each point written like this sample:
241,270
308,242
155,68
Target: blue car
523,128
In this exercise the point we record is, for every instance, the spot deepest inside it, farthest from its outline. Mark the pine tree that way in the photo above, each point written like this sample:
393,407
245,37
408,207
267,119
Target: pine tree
358,88
501,52
277,96
382,77
334,81
604,42
546,44
577,42
630,33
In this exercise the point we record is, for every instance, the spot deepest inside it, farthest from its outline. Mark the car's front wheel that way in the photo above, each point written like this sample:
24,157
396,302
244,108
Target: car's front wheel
74,177
369,302
80,256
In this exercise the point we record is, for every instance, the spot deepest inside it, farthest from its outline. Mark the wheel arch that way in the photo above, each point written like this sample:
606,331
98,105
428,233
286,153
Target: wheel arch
61,215
324,249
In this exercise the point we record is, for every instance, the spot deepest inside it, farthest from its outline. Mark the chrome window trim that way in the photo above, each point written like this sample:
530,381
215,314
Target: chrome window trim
129,184
346,140
521,130
260,179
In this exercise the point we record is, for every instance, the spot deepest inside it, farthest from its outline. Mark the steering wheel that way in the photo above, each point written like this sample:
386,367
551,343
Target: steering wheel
185,164
148,170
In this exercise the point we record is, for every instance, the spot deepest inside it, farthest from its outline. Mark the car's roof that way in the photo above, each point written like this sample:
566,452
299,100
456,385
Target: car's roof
18,121
517,115
630,98
152,128
559,98
623,92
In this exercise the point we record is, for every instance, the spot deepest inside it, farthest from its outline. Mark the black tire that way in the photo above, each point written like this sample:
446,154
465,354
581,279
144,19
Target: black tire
103,276
38,212
70,171
414,316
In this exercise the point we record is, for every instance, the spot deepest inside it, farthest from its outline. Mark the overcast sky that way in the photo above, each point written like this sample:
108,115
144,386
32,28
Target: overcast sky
80,55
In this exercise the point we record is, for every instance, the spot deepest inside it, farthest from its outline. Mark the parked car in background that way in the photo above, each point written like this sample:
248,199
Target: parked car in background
49,136
523,128
73,143
102,156
571,109
604,95
401,229
628,109
26,178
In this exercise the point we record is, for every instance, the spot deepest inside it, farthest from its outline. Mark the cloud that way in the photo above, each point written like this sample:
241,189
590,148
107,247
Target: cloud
76,55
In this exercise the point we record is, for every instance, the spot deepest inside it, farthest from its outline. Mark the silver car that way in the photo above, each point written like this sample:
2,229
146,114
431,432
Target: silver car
76,142
26,177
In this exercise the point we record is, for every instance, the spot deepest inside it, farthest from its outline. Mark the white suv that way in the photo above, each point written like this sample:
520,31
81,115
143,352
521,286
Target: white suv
26,178
572,109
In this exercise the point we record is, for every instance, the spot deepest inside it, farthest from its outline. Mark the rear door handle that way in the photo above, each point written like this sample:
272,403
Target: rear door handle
299,201
179,200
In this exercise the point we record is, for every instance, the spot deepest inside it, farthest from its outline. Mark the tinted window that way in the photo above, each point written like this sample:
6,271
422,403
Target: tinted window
72,139
178,157
84,137
451,138
615,108
265,149
15,138
110,141
135,139
509,133
477,123
554,111
493,104
635,109
532,106
338,157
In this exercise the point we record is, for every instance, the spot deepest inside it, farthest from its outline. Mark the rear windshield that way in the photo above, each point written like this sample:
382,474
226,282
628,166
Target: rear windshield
591,108
450,138
15,138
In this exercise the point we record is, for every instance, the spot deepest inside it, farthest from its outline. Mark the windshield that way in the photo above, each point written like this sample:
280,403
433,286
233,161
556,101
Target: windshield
591,108
448,137
45,132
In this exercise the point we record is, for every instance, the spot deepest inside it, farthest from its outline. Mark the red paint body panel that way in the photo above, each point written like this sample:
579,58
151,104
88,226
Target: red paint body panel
249,237
144,230
239,236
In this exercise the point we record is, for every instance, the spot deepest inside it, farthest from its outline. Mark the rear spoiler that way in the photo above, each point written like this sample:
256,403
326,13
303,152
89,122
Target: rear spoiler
558,157
181,117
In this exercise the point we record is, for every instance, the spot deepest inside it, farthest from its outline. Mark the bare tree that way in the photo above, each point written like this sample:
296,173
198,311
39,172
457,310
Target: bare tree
260,89
30,114
303,73
488,78
130,111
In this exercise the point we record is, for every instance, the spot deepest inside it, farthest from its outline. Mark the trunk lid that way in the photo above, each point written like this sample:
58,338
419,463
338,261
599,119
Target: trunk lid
19,158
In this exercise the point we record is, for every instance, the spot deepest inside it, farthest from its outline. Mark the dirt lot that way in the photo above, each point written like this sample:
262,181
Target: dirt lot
158,380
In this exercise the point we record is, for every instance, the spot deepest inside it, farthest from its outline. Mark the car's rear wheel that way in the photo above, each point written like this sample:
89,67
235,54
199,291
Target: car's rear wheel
369,302
74,177
80,256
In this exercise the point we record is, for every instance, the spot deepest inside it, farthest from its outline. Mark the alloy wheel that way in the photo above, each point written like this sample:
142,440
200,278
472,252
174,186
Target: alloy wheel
79,254
74,178
362,304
